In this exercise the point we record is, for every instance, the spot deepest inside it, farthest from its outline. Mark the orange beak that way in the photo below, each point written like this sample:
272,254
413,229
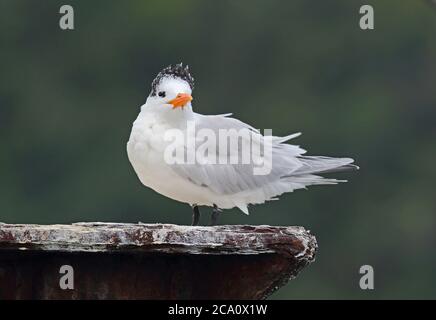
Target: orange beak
181,100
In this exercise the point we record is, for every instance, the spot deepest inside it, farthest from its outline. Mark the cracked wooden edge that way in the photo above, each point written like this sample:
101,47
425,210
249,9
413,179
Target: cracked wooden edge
103,237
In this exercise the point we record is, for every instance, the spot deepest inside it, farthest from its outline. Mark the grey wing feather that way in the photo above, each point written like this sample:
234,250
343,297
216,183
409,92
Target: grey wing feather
234,178
290,169
320,164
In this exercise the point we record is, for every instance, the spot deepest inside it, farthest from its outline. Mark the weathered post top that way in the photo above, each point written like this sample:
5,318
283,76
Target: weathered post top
150,261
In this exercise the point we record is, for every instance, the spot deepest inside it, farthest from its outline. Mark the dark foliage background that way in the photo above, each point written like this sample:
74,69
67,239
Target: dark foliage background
68,98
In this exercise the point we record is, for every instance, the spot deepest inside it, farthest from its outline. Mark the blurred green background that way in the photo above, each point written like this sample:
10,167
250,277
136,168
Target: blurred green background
68,99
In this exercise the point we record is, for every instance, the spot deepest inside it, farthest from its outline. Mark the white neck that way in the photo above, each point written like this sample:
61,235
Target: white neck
176,118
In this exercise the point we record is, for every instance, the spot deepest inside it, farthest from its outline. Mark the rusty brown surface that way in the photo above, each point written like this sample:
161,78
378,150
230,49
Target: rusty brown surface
150,261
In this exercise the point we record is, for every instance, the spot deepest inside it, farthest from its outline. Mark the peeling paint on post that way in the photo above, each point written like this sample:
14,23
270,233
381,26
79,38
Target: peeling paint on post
151,261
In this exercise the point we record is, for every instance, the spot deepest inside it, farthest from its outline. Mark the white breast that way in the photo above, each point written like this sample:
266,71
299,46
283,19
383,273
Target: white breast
145,150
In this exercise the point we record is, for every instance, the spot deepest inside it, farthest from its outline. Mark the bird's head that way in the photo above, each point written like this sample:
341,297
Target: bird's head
172,88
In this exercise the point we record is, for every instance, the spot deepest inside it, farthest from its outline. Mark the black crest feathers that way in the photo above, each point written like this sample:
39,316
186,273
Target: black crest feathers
177,71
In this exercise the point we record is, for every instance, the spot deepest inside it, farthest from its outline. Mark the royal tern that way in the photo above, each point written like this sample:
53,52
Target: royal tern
215,178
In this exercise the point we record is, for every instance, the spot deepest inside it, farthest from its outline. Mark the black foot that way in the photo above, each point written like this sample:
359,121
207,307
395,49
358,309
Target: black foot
215,215
195,215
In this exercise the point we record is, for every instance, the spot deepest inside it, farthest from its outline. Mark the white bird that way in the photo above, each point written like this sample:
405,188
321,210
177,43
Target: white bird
222,185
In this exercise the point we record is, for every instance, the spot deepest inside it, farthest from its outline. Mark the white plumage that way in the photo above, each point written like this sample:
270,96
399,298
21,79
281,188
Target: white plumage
202,183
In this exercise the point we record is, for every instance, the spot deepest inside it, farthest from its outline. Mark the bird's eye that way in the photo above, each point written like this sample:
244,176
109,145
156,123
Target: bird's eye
162,94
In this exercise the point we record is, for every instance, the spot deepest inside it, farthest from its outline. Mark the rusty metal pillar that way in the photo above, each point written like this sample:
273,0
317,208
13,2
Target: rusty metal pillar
150,261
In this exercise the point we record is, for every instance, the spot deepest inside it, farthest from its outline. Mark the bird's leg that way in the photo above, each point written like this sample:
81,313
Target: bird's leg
195,215
215,214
